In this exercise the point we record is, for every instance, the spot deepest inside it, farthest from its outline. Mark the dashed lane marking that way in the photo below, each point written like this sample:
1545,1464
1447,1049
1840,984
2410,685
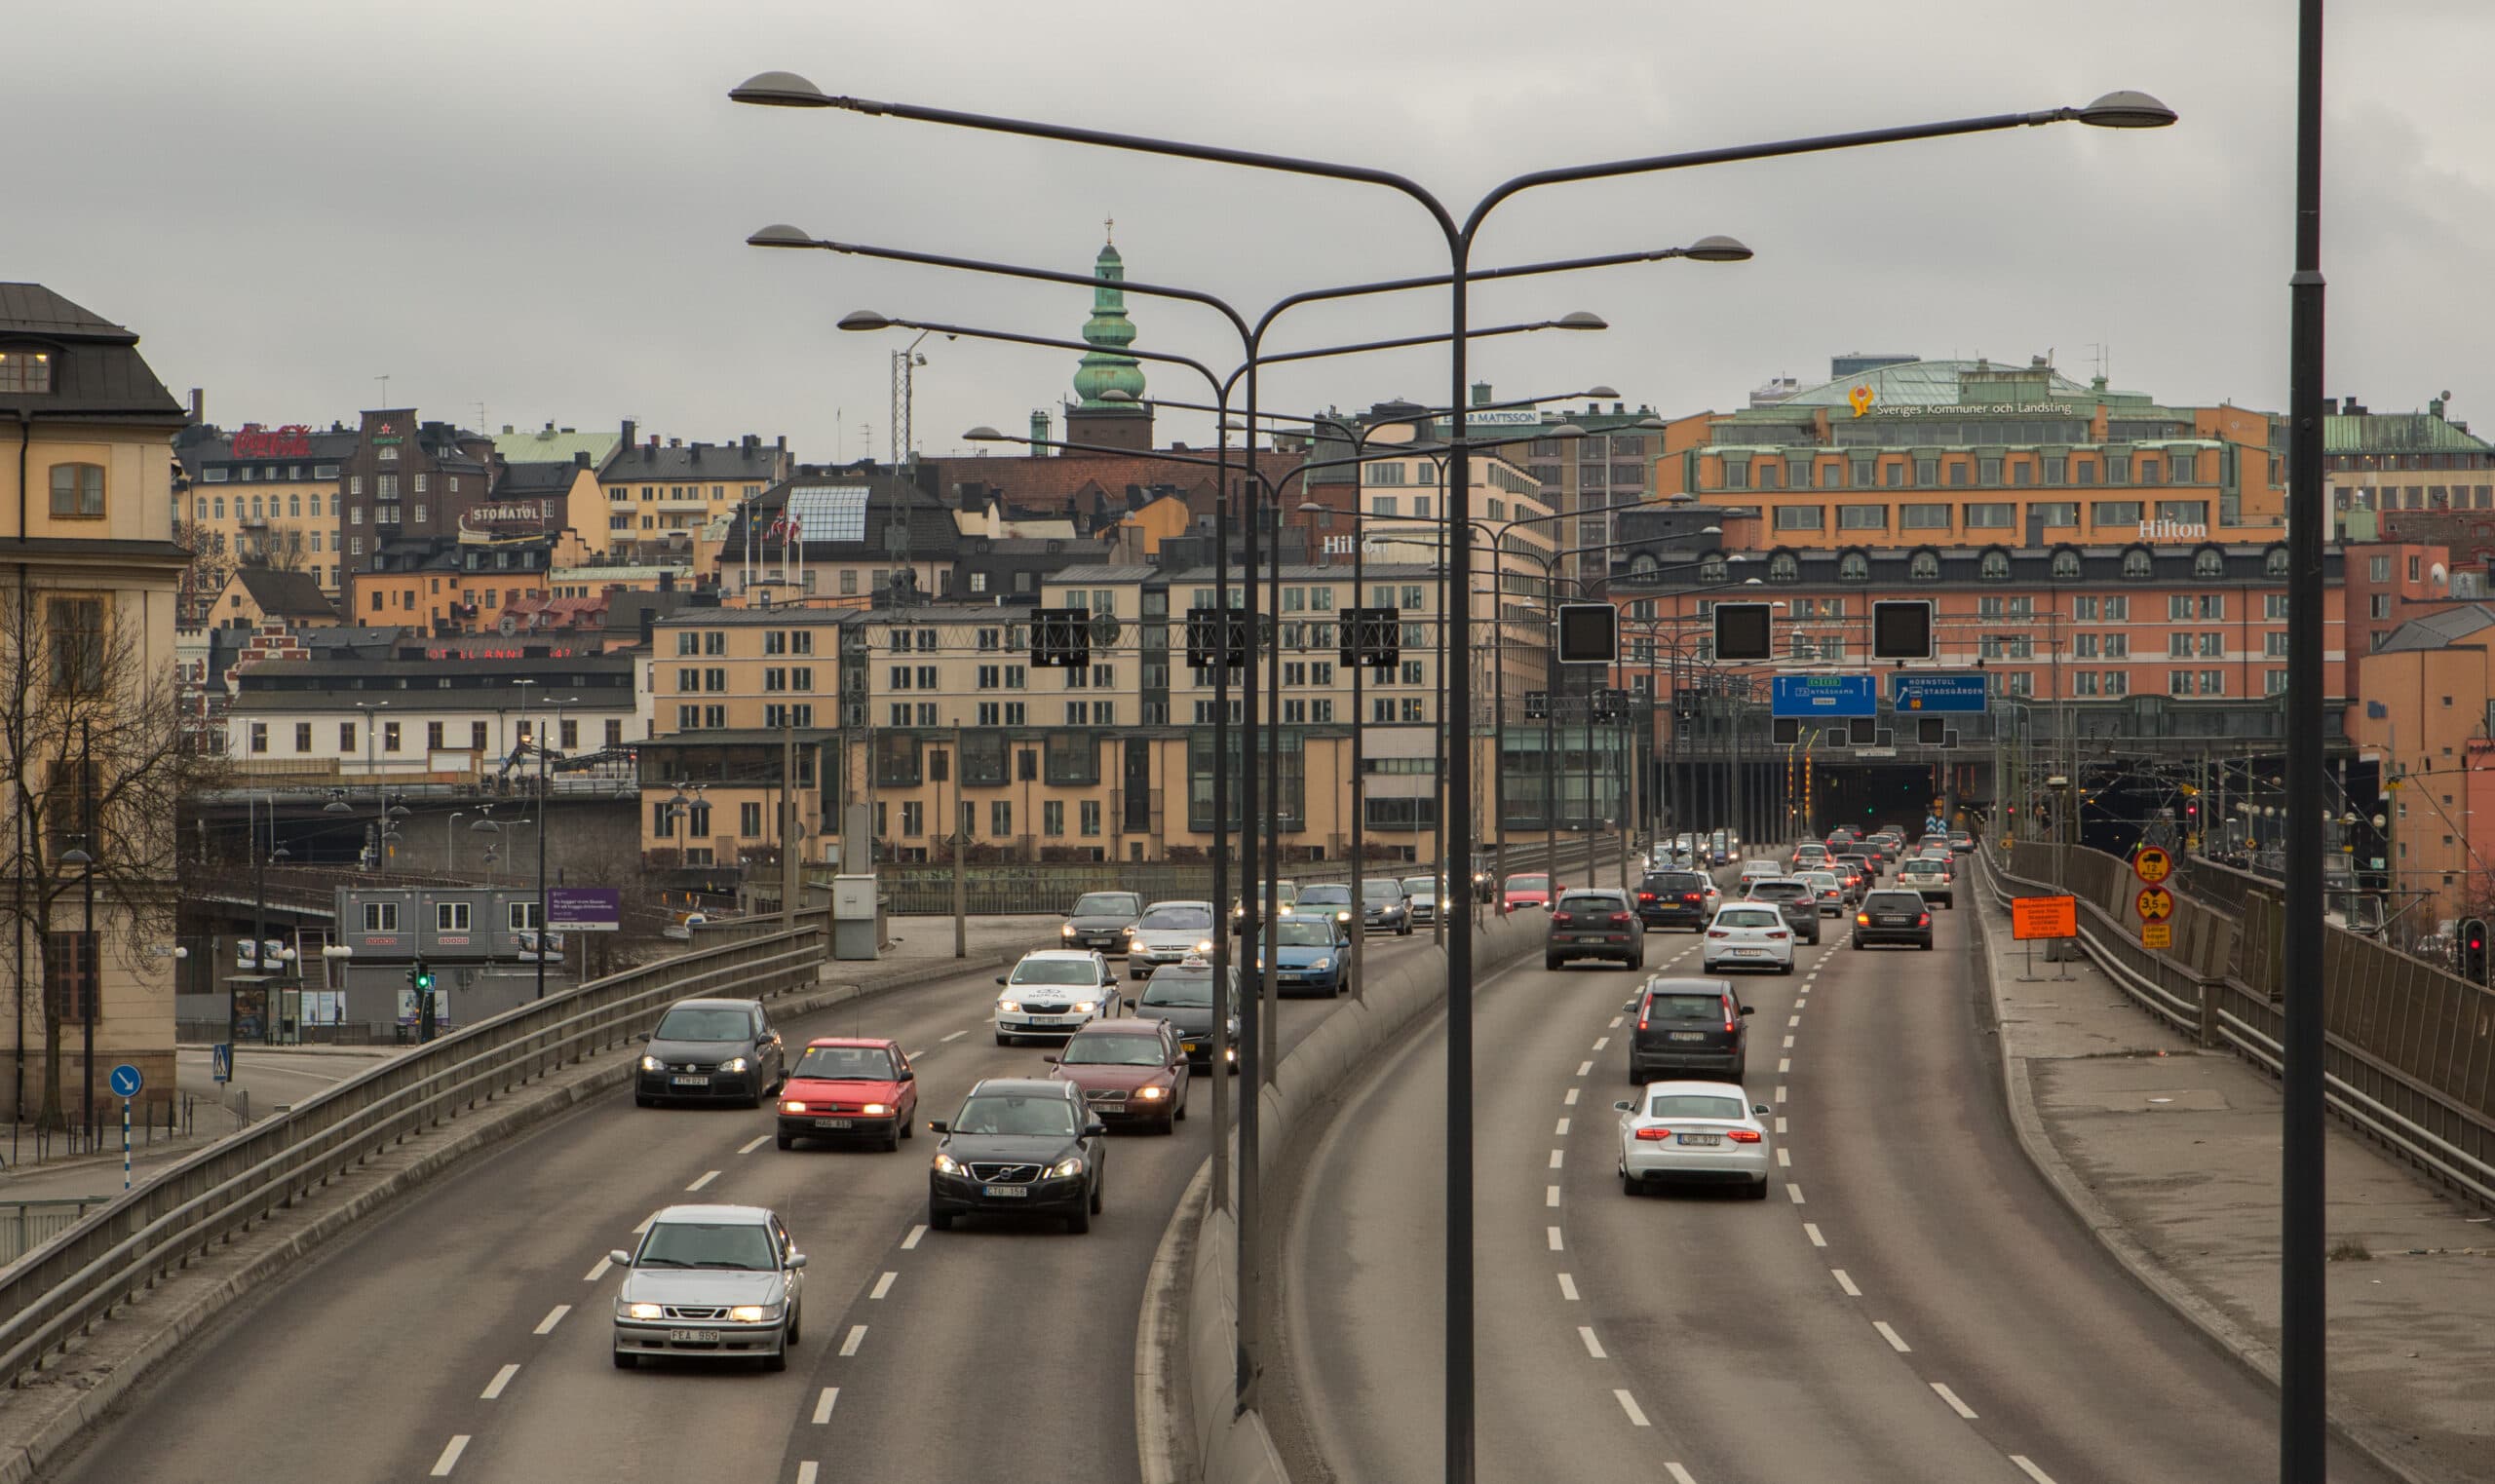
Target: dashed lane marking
598,1271
1791,1021
1890,1335
754,1143
1570,1101
1784,1157
1679,1474
957,1036
1846,1283
494,1388
883,1286
1594,1346
1780,1122
1550,1196
2030,1469
707,1177
1955,1405
806,1472
1789,1042
1615,1023
824,1404
645,1223
1584,1067
1780,1092
910,1241
1561,1131
1783,1064
1811,1230
856,1337
1555,1157
1793,1191
554,1316
1552,1233
1567,1288
1601,1042
1629,1404
449,1459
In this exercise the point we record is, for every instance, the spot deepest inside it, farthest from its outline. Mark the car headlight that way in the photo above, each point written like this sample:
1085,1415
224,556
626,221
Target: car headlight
652,1064
1085,1007
749,1314
876,1110
1152,1094
1343,916
644,1312
792,1106
1205,948
1128,930
1067,1166
1230,1054
1010,1007
1316,964
734,1064
1066,931
946,1165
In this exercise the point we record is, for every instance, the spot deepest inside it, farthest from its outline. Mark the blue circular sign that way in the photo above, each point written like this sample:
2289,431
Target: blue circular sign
126,1081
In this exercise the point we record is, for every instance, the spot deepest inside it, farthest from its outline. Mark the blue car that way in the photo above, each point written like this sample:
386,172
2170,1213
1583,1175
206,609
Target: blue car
1312,956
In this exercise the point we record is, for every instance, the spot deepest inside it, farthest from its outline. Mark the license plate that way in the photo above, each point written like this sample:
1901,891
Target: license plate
1005,1192
834,1123
694,1335
1890,922
690,1082
1593,937
1195,1045
1700,1138
1689,1035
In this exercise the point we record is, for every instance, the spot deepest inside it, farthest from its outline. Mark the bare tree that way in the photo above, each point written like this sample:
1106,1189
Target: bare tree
281,550
212,562
93,757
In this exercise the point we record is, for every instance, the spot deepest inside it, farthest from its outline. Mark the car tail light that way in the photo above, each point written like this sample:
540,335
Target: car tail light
1862,919
1924,921
1654,1135
1645,896
1562,917
1620,917
1690,897
1718,933
1741,1136
1778,936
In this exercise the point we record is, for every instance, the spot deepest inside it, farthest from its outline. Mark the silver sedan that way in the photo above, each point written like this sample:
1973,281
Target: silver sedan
711,1282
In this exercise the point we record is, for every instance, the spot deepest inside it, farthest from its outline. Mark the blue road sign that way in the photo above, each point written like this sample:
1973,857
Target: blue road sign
220,1062
126,1081
1825,695
1936,695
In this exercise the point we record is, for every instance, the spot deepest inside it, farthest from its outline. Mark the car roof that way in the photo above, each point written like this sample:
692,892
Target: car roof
1662,985
707,1002
1178,901
1591,892
722,1215
1061,953
863,1042
1026,1087
1701,1089
1125,1025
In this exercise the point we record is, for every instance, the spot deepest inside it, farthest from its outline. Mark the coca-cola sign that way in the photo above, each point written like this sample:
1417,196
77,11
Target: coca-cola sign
292,441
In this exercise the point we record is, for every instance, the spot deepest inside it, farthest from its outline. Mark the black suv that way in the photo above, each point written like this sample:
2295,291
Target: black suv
1795,899
1893,917
1595,925
711,1050
1674,899
1018,1145
1688,1025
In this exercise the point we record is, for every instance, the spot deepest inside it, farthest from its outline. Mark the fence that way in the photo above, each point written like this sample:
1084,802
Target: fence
2409,1050
26,1225
79,1275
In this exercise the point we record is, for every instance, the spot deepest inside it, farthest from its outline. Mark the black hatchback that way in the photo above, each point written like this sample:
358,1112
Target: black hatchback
1688,1026
1674,899
710,1050
1893,917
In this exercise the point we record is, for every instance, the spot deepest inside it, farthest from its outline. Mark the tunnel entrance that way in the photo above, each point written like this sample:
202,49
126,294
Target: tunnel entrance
1868,796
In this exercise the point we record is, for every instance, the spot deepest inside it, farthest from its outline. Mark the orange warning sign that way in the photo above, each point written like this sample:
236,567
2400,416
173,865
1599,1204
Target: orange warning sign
2156,905
2034,917
2157,935
2152,864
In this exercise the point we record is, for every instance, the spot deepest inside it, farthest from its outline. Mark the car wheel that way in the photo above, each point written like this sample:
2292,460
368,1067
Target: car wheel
1631,1184
755,1101
1784,967
1756,1192
909,1128
1004,1040
1180,1116
624,1362
778,1360
1550,964
1740,1070
1925,946
797,1324
788,1141
639,1101
1078,1222
1099,1188
892,1140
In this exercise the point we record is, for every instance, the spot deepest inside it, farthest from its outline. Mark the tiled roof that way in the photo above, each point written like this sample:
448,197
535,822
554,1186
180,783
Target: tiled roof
685,463
97,371
284,595
547,479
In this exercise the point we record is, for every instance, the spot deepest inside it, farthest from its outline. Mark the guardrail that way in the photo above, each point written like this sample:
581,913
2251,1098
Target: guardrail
26,1225
2409,1051
80,1275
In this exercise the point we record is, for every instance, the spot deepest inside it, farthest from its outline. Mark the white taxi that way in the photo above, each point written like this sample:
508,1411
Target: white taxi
1055,992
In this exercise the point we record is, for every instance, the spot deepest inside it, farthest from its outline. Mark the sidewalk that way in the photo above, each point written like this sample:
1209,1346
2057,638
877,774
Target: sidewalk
2171,1155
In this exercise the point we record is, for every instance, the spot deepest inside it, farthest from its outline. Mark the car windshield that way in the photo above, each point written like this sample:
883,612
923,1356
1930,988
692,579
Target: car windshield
1304,934
1177,918
1528,883
845,1064
1684,1008
1055,971
1106,1050
1421,886
1820,879
743,1245
1690,1105
1753,918
1184,989
1106,905
1326,896
1013,1114
1778,890
1893,901
1588,901
1381,891
715,1022
1920,868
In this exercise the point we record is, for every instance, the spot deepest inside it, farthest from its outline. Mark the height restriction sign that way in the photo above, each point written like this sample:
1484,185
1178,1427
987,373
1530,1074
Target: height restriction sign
2156,905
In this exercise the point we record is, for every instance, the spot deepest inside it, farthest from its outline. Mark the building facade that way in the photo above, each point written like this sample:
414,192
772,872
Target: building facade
409,480
264,495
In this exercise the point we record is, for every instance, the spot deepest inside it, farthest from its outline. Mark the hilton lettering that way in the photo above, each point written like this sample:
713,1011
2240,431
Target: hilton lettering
2173,530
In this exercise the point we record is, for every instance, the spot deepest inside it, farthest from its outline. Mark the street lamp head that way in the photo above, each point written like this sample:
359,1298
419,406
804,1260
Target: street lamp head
1710,530
778,235
337,806
1581,319
2126,109
1564,431
1721,250
780,90
77,858
1312,507
984,434
865,319
1650,422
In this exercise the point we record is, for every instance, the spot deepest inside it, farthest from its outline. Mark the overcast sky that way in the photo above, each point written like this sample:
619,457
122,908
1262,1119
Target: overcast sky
540,208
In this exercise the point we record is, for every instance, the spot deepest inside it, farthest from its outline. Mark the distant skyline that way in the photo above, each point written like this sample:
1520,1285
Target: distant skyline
538,212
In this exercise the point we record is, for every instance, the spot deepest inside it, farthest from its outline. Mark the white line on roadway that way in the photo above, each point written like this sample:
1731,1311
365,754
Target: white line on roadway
494,1388
1553,1233
957,1036
1567,1288
1601,1042
1561,1131
754,1143
1784,1157
822,1404
1811,1230
883,1286
1570,1101
554,1316
1551,1195
1890,1335
1846,1283
1794,1191
598,1271
857,1336
1594,1346
806,1472
1783,1064
1792,1020
1955,1405
928,1052
1789,1042
449,1459
645,1223
1780,1122
910,1241
1615,1023
1629,1404
1780,1092
706,1179
1679,1474
2030,1469
1584,1067
1555,1157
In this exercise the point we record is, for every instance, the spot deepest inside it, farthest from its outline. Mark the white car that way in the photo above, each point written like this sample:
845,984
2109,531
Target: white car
1055,992
1748,935
1424,892
1759,870
1168,933
1697,1132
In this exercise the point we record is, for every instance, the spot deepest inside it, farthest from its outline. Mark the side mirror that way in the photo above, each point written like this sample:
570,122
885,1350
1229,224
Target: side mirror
1761,1109
620,1258
1629,1007
1625,1107
1000,979
796,1260
1095,1130
907,1076
1050,1059
644,1036
1745,1010
938,1125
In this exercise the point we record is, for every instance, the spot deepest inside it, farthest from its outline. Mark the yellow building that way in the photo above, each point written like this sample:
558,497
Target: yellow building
659,498
260,494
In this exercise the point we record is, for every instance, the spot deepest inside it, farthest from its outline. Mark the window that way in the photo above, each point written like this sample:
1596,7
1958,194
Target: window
913,817
2213,605
260,736
2105,512
2084,682
303,737
476,735
77,491
2137,564
1862,517
25,371
1800,518
2118,646
1090,818
2066,568
1924,567
2273,606
662,821
750,820
2212,682
1783,567
1995,566
2274,645
381,917
1923,517
2117,683
522,916
450,917
1991,516
389,737
1854,567
2178,682
2412,567
2274,682
2118,610
2379,603
1000,818
77,630
2084,646
2212,646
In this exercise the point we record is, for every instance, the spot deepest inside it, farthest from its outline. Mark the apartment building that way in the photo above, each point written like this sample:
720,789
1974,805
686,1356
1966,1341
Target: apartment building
661,497
730,691
407,480
264,495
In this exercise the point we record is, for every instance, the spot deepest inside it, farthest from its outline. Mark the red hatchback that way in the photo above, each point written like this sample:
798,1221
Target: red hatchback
1527,891
849,1087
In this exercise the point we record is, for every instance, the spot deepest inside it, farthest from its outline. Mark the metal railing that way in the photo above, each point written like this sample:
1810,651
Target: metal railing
81,1275
26,1225
2407,1056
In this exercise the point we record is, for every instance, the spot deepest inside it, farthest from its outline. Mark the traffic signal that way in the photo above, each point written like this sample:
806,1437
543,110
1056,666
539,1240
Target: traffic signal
1742,631
1902,630
421,977
1589,633
1061,637
2473,950
1372,636
1210,637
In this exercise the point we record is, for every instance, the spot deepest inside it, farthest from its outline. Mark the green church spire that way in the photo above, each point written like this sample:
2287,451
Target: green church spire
1109,331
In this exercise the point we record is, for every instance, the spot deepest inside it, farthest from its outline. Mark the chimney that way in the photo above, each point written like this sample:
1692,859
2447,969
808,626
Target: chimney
199,405
1038,428
784,442
580,458
696,452
1480,394
675,442
630,432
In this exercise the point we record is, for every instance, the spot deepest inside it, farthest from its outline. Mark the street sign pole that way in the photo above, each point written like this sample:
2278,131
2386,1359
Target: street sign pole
126,1083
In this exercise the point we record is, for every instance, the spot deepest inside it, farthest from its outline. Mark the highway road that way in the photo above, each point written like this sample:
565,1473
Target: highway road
1911,1303
466,1334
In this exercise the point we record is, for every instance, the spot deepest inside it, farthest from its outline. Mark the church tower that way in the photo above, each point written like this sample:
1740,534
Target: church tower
1117,422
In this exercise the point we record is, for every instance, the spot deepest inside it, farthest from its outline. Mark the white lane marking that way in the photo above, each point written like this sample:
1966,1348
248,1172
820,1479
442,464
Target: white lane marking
1780,1092
494,1388
806,1472
1784,1157
883,1286
957,1036
754,1143
1594,1346
1601,1042
1679,1474
1792,1020
1780,1122
449,1459
1584,1067
1555,1155
1570,1101
1629,1404
1567,1288
1955,1405
857,1336
1793,1191
706,1179
1890,1335
929,1051
1615,1023
1783,1064
911,1240
1551,1195
823,1403
1552,1233
1789,1042
554,1316
598,1271
2030,1469
1561,1131
645,1223
1811,1230
1846,1283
